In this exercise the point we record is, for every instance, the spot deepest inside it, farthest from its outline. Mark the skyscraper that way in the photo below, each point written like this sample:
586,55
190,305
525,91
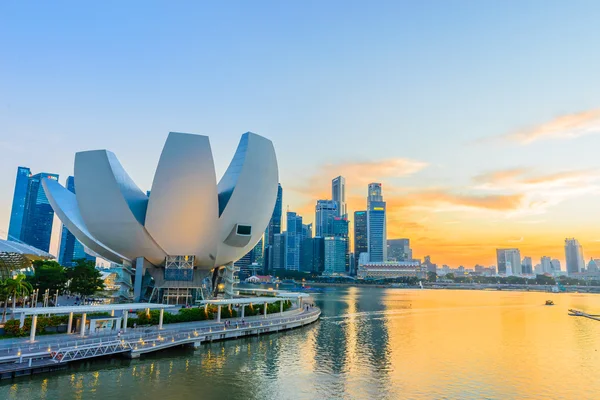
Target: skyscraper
360,235
527,266
274,226
399,250
508,258
335,255
18,203
376,224
38,215
278,251
574,256
71,249
293,241
338,194
325,212
555,266
546,264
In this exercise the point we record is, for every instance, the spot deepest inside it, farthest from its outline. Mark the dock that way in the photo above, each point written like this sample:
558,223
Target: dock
577,313
25,359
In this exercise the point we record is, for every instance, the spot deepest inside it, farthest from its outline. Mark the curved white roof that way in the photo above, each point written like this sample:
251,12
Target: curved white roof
187,214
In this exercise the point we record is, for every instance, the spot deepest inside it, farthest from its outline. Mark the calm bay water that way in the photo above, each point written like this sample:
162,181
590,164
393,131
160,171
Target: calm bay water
371,343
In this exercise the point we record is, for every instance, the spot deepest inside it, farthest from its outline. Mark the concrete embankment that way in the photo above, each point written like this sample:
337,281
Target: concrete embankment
24,358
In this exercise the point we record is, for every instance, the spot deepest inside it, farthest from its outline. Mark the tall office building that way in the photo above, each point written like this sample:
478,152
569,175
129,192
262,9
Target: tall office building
546,265
335,255
399,250
376,224
71,249
38,215
360,235
574,256
340,228
18,203
274,226
338,194
313,253
277,253
555,266
294,238
508,258
527,266
325,212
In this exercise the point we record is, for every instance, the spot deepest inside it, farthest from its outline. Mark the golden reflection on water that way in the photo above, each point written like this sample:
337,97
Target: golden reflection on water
373,343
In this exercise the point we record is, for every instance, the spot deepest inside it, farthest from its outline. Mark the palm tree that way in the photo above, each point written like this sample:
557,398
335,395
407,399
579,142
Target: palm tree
4,298
16,287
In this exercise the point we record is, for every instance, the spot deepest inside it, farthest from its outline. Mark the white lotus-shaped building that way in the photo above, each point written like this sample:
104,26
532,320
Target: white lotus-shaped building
189,223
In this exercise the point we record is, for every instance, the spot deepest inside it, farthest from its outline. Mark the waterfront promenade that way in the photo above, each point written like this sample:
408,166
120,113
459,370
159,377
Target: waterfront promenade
19,354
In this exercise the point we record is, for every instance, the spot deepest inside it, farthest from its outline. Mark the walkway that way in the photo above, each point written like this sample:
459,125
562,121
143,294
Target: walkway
15,347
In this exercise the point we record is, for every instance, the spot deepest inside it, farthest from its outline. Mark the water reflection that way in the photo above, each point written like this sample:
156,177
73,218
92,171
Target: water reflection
370,343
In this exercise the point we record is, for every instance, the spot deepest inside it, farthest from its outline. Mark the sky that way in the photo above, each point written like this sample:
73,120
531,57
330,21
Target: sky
480,118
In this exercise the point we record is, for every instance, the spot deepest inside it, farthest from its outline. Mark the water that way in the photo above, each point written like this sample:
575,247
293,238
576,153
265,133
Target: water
370,344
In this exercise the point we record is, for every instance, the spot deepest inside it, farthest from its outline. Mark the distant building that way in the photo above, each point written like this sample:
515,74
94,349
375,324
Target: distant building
338,194
526,266
506,257
18,203
360,235
325,212
573,255
376,224
38,214
592,266
391,270
293,241
274,225
335,255
556,270
428,265
278,249
546,264
71,249
399,250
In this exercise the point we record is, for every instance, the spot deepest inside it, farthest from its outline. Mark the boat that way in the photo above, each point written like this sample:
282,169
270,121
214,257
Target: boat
549,303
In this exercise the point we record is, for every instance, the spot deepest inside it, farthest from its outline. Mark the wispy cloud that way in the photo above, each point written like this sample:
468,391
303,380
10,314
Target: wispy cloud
539,191
567,126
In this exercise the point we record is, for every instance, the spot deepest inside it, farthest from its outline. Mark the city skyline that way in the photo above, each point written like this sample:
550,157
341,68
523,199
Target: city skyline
481,122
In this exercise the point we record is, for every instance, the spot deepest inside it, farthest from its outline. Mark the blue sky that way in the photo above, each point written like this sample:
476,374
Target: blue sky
407,93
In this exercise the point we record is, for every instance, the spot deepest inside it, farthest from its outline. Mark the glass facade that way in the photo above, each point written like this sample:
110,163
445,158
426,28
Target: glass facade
376,224
274,226
38,215
335,255
70,248
293,241
18,203
360,234
325,212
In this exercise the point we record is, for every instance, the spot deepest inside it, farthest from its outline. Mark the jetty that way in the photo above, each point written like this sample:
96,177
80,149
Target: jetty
577,313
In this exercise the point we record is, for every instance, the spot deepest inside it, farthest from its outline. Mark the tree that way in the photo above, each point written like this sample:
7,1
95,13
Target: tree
15,287
85,279
431,276
48,275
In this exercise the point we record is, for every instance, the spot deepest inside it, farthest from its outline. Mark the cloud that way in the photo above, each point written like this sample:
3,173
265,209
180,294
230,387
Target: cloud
567,126
539,191
358,174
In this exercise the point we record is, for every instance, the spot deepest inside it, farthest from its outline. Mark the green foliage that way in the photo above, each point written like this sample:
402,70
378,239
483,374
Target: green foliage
431,276
85,278
11,328
48,275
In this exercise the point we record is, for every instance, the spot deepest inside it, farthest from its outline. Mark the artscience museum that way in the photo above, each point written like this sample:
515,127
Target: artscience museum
180,242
